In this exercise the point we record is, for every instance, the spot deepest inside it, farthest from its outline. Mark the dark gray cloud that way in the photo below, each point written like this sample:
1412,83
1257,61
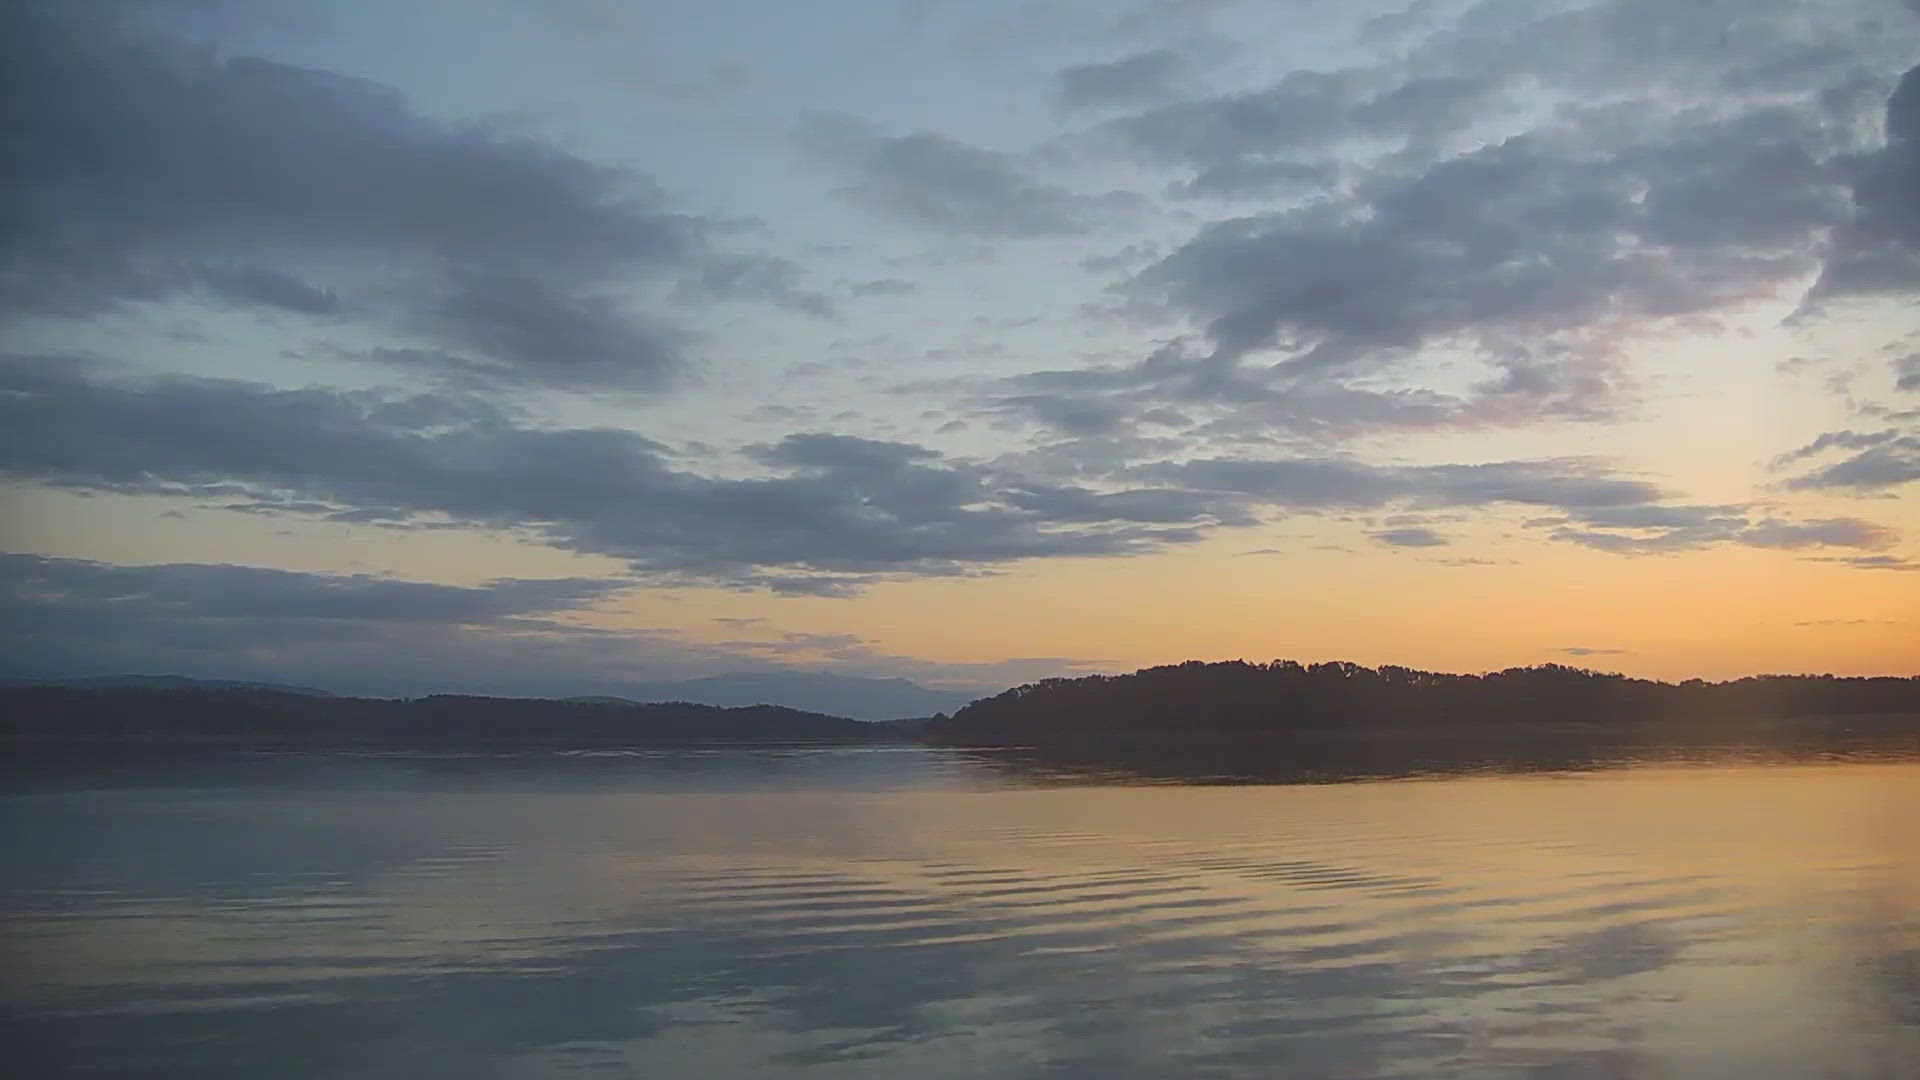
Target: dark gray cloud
1872,562
359,633
1411,536
529,329
1500,61
1304,109
944,184
883,287
1131,80
78,617
1664,517
1582,650
250,284
1825,532
1879,460
1219,398
1863,462
1648,529
226,591
1332,483
1658,530
1553,174
829,514
1069,415
1636,46
1835,440
1878,251
1532,235
1243,177
1906,373
822,514
158,169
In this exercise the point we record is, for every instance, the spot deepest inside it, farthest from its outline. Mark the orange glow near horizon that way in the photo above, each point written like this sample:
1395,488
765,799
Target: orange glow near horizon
1709,615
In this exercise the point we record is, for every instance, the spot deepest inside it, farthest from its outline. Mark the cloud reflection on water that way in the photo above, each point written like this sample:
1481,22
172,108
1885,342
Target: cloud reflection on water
919,913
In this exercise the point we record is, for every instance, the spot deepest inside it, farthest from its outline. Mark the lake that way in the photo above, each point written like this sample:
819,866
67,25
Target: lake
899,911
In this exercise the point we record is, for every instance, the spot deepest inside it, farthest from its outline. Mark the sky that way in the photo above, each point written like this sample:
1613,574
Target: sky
536,346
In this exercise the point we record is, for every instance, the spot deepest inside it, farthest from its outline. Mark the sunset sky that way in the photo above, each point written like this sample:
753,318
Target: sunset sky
538,345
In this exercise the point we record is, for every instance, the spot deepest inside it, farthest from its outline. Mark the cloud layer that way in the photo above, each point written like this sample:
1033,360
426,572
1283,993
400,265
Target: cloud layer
1412,280
161,170
78,617
816,513
361,633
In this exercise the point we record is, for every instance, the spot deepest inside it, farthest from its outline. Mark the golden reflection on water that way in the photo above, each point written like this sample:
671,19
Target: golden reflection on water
1735,921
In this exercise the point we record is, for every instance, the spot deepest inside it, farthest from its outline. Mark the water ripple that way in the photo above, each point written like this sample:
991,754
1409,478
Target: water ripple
1746,921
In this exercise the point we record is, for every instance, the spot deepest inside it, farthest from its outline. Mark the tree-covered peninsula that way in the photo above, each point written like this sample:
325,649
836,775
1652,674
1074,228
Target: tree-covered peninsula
1238,701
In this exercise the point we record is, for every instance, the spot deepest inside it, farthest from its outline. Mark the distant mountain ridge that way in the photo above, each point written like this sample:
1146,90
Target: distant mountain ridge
169,682
835,695
850,696
244,718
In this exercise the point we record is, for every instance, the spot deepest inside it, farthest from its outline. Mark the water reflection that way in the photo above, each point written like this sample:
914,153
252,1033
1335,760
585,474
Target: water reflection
929,913
1310,757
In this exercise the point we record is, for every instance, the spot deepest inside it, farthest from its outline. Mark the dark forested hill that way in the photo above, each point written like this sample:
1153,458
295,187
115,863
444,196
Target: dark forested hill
1238,700
266,718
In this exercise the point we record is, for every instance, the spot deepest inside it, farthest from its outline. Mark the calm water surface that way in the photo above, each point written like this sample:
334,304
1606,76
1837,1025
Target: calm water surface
903,912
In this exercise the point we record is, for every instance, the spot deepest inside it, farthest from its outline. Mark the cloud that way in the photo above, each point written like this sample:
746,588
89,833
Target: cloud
943,184
73,616
355,632
1498,64
226,591
1878,250
1665,517
161,170
883,287
817,514
1906,371
1130,80
1842,440
1581,650
1871,562
1466,234
1413,536
1245,177
252,284
828,514
1224,401
1303,109
1883,459
1326,483
1070,415
566,339
1826,532
1536,234
1656,530
1565,177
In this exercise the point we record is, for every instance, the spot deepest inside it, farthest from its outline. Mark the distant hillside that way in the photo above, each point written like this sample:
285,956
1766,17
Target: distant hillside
817,692
168,682
1228,702
836,695
243,717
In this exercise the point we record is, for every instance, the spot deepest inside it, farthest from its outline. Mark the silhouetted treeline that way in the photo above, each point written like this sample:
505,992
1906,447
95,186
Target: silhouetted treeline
46,715
1236,701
